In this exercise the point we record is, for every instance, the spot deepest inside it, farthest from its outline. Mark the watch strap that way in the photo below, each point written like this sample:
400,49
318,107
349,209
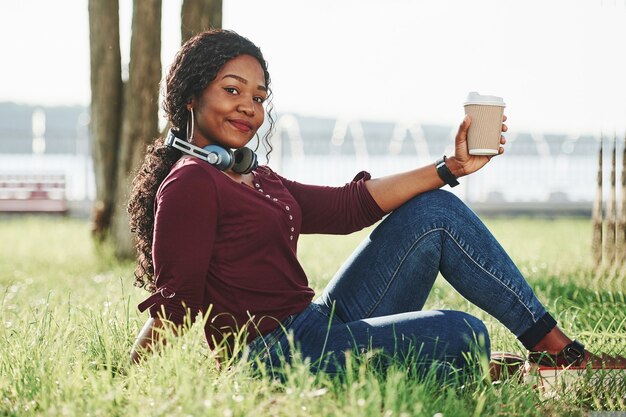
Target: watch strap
444,172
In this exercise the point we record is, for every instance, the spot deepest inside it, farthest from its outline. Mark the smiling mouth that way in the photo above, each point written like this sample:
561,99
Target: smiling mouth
241,125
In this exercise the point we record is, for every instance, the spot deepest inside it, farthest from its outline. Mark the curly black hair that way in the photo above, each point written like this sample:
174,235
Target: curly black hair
194,67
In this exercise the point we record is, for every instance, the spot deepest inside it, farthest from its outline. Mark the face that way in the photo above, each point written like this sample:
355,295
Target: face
230,109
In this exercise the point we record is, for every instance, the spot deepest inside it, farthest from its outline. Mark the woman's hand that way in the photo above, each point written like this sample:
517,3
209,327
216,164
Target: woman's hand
391,191
150,334
463,163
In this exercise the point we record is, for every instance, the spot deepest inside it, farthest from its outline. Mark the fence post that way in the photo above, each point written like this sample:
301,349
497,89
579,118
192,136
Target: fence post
596,216
609,238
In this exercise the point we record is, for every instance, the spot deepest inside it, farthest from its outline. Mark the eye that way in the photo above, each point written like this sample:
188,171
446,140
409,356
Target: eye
259,99
231,90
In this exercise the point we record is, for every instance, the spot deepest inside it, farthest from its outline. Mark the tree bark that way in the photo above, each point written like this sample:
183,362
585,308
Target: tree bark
140,118
124,118
199,15
106,101
215,14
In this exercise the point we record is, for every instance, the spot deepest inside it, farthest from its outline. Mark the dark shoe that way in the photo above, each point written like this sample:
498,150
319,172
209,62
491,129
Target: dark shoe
574,356
552,374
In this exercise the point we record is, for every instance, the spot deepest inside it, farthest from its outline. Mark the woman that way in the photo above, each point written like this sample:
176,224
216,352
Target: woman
223,242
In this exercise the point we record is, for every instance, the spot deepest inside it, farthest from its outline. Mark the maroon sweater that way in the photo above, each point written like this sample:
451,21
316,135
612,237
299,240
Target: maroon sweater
229,251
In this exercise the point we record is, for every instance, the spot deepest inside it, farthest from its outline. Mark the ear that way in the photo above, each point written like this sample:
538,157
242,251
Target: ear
191,103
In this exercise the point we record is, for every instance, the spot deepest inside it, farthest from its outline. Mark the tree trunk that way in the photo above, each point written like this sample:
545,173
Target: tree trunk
140,118
199,15
215,14
106,101
124,118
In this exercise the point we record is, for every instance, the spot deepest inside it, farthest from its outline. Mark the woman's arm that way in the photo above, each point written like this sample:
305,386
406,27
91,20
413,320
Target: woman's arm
185,223
392,191
149,335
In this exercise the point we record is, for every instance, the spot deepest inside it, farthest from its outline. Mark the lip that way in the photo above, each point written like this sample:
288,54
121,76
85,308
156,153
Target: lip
241,125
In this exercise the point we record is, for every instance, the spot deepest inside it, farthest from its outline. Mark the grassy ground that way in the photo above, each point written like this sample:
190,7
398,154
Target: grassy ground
68,318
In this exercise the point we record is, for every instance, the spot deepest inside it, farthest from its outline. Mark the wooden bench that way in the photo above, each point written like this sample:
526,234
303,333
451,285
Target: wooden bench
32,193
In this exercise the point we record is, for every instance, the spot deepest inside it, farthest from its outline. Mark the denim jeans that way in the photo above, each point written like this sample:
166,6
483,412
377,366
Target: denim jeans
375,301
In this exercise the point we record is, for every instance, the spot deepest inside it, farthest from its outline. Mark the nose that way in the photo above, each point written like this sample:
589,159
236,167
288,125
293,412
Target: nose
246,106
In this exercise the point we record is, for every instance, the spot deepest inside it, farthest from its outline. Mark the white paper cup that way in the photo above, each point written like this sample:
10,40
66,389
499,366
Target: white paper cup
483,137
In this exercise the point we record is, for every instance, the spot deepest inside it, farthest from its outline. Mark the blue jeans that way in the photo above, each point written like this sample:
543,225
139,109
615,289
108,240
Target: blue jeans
375,301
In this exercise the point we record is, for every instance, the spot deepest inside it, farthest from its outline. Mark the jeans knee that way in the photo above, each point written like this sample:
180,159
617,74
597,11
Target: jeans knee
439,199
477,335
434,207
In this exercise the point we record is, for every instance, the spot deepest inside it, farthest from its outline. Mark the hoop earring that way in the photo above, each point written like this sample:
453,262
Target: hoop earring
190,133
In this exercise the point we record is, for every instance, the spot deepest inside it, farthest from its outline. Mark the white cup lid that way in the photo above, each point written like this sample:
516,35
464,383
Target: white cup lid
475,98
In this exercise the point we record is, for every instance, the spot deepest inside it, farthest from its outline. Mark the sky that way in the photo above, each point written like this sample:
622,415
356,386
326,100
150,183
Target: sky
560,65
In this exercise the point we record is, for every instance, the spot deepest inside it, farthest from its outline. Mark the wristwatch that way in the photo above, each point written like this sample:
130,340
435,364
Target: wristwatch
444,172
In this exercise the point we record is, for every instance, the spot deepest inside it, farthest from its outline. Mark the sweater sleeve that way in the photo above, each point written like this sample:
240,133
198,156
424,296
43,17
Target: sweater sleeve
335,210
184,233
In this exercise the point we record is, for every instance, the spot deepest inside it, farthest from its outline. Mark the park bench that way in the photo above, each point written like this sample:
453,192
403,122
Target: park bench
32,193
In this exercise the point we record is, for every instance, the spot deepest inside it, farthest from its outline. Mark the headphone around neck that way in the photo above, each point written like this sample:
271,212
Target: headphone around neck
241,161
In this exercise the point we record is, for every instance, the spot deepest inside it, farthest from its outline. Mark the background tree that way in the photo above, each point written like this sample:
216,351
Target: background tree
198,15
140,122
106,102
124,115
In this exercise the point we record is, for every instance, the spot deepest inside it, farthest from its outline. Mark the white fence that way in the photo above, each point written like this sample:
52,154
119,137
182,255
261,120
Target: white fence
540,169
536,167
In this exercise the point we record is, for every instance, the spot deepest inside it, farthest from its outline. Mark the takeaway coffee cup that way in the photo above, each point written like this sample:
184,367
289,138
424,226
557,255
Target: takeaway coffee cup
483,137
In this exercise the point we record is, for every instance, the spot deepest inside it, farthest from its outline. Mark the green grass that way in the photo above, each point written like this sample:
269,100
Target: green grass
68,320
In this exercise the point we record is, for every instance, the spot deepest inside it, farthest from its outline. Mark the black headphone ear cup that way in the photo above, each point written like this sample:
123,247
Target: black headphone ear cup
245,161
